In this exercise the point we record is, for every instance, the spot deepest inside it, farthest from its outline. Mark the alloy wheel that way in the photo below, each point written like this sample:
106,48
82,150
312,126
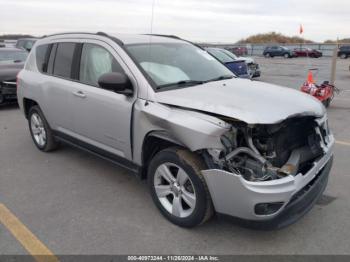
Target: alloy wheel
175,190
38,129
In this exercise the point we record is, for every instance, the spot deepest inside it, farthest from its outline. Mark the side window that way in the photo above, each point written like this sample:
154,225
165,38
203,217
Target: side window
42,53
96,61
51,59
64,59
19,43
28,45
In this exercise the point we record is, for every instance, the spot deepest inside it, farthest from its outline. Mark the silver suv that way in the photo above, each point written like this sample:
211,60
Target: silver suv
168,111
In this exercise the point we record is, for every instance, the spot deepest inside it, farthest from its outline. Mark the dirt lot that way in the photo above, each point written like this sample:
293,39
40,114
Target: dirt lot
75,203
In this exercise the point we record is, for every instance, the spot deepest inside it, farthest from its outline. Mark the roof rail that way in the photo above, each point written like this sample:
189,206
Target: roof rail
118,41
176,37
67,33
169,36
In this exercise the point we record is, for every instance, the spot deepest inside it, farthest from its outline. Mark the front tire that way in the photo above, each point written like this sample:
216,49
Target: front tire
343,56
287,56
178,188
40,130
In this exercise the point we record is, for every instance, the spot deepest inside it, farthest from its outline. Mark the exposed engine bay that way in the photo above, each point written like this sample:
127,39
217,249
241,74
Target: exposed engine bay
269,152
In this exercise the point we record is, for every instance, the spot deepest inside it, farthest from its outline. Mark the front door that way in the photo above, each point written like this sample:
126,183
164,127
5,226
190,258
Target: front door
101,117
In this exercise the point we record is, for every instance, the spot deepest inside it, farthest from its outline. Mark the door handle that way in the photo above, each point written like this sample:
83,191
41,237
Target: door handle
80,94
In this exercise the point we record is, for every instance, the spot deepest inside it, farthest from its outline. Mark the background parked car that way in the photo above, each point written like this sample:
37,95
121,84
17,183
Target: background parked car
25,43
239,51
253,67
307,52
8,42
344,51
11,62
238,67
272,51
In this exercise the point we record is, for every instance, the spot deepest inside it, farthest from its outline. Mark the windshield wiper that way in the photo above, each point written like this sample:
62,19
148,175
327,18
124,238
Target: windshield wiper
182,83
220,78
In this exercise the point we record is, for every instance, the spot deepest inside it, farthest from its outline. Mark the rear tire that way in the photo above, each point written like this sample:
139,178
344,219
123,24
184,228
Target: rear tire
2,99
40,130
178,187
287,56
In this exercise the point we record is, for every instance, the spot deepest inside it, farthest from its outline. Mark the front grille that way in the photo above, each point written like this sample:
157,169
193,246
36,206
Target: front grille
252,66
9,84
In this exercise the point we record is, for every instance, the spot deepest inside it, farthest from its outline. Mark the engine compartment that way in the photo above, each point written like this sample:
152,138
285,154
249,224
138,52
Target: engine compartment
268,152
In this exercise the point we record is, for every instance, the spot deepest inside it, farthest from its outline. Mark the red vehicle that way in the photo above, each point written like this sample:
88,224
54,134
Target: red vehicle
307,52
239,50
324,92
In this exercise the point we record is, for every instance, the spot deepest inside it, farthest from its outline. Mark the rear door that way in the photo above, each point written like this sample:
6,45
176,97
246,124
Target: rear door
58,86
102,118
301,52
275,50
280,51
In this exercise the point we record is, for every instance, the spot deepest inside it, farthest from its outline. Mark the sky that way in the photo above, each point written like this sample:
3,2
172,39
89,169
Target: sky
219,21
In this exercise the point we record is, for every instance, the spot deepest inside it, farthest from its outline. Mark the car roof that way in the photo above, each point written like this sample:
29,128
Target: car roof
26,39
9,49
124,39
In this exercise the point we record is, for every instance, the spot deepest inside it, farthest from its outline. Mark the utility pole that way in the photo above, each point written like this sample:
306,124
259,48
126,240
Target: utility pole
334,63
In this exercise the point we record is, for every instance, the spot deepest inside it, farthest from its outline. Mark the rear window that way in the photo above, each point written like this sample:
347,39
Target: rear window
42,52
64,59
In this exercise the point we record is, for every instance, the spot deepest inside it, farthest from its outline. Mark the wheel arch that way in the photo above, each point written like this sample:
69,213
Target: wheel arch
27,105
154,142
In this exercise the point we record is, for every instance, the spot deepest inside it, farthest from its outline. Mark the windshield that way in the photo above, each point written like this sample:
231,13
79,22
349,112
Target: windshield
221,56
233,56
177,64
13,56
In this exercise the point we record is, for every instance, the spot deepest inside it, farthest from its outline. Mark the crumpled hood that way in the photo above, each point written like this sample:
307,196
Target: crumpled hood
9,71
248,60
249,101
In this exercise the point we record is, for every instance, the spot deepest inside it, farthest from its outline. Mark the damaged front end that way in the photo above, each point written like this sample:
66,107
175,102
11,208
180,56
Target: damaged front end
262,166
268,152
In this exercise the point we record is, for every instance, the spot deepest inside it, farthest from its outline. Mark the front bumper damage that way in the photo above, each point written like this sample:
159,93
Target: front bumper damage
234,196
254,69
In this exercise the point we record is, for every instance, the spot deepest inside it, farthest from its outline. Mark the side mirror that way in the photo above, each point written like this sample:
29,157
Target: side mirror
117,82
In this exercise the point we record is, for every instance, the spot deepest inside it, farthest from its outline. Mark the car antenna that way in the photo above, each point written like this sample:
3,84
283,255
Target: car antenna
150,42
